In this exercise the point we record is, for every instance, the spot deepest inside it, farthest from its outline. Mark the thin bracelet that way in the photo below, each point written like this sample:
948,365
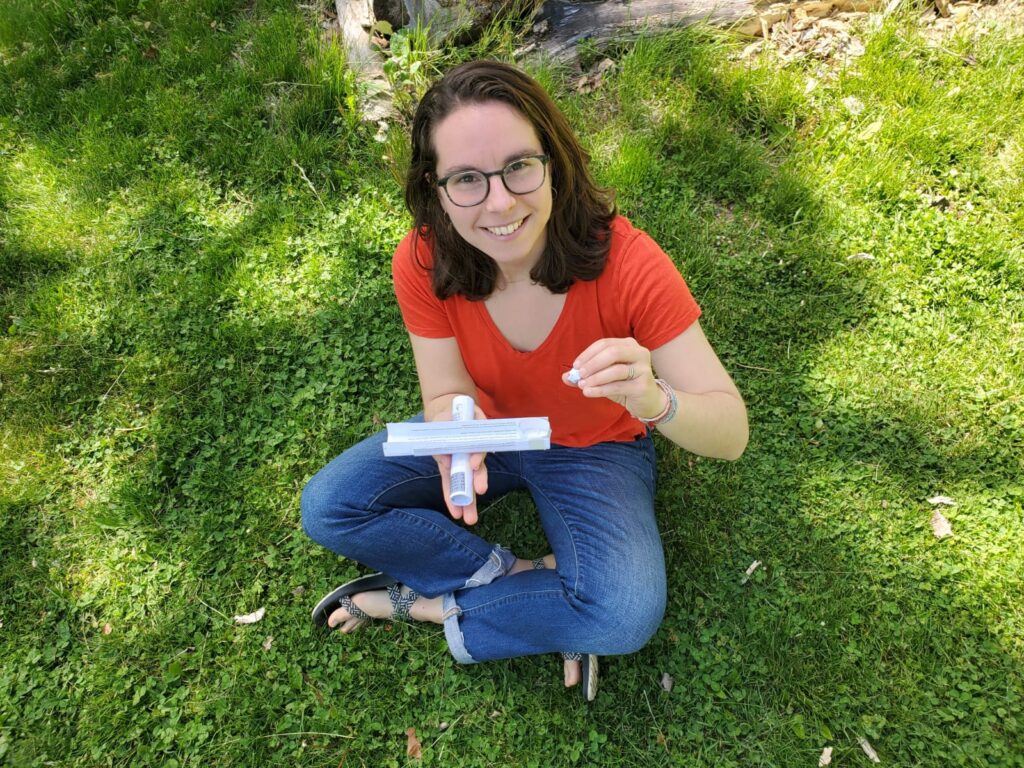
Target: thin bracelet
670,407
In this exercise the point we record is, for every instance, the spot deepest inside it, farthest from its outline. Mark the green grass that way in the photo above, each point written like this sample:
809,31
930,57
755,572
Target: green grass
196,314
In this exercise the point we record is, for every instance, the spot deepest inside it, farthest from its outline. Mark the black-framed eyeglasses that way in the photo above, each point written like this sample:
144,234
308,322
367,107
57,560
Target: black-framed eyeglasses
520,177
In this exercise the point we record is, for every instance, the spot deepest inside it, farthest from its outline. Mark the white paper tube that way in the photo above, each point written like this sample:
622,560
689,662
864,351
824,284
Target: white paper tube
461,488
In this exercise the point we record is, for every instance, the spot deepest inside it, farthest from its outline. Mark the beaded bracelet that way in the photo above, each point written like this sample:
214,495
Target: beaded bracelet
670,407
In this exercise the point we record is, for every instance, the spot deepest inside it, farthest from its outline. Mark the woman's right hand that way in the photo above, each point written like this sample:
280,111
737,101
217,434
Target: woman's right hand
468,514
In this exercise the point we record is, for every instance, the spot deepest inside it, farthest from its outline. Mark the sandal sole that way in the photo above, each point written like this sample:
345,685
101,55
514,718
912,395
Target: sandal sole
588,676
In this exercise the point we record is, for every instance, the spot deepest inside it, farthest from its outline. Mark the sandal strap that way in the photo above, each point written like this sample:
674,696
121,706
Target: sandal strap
401,603
353,610
572,656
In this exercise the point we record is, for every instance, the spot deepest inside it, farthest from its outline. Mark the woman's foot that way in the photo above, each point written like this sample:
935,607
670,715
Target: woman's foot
548,561
573,672
380,604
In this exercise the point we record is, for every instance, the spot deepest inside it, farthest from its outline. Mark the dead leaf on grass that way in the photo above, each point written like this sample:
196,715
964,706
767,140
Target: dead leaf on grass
942,500
868,749
853,105
871,130
413,748
251,618
595,78
861,256
750,570
268,642
940,525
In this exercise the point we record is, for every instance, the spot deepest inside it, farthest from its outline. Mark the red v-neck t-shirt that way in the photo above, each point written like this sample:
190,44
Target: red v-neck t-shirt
639,294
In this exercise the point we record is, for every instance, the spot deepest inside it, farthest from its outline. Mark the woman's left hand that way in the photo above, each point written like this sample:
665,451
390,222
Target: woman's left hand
620,369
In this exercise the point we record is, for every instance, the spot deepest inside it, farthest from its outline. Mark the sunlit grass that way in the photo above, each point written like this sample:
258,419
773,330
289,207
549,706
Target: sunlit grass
196,314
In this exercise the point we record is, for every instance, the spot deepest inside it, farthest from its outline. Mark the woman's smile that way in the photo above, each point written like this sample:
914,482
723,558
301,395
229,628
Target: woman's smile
506,230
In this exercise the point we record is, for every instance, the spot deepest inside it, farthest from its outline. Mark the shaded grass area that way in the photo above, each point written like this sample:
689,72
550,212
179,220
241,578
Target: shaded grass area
196,308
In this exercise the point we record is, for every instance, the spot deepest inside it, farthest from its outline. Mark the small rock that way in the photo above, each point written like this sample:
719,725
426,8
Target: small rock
826,757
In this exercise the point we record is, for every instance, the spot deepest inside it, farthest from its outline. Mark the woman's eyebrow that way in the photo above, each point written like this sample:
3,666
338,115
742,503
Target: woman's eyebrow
509,159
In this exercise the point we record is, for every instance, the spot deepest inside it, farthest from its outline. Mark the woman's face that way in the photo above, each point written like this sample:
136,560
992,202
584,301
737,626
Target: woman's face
509,228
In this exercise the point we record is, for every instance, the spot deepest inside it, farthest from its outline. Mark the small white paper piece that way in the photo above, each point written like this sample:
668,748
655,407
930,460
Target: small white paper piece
251,618
868,750
573,376
753,567
667,681
268,642
826,757
940,525
942,500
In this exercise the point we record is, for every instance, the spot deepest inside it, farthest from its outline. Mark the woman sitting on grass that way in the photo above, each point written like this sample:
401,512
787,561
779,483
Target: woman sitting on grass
517,269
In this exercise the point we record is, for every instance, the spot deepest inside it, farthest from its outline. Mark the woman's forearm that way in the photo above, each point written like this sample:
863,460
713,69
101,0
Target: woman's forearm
712,424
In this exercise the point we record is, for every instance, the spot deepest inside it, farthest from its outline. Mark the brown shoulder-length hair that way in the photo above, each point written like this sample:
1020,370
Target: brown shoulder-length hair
581,214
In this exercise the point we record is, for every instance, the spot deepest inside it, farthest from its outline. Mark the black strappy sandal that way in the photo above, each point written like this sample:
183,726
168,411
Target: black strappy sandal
341,597
588,673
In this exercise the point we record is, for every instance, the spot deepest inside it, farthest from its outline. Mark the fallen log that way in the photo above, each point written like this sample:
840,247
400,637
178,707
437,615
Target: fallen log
561,25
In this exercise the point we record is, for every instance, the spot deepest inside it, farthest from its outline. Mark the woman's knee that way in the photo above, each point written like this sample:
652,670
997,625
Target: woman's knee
327,507
314,507
626,620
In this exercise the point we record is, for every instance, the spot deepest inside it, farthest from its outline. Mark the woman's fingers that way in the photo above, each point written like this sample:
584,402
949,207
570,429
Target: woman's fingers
613,361
478,462
620,370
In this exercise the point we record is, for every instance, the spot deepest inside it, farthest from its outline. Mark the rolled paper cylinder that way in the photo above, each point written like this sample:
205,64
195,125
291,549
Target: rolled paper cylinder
461,488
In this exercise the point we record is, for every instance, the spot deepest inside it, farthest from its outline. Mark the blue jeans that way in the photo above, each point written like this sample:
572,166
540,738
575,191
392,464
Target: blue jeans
607,595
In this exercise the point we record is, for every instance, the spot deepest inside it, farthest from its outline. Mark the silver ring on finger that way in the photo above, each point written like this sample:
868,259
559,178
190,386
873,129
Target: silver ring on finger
631,373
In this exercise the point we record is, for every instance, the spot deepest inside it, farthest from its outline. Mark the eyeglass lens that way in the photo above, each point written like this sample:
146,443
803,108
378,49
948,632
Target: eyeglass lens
520,176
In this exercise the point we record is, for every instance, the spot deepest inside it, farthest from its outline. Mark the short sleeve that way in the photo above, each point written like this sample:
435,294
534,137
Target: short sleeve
657,301
422,312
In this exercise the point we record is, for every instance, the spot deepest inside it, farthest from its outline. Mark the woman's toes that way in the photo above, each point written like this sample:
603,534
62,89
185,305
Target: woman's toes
337,617
572,673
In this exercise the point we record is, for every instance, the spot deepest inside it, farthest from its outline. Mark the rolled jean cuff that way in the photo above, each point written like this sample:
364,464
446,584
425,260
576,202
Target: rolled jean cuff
498,564
450,613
